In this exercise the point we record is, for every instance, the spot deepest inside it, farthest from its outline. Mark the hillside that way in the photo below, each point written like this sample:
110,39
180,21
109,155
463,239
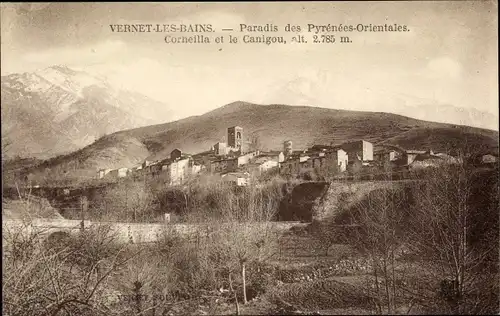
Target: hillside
447,139
58,110
273,124
315,88
305,126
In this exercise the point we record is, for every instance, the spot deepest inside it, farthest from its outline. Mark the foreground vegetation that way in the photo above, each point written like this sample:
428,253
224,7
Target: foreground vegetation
431,249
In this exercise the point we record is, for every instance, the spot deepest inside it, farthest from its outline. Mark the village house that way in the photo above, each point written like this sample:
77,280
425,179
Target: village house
148,163
204,158
223,165
153,169
119,173
237,178
277,156
220,149
320,148
304,158
197,168
246,158
410,155
260,166
489,159
482,159
290,166
305,164
422,161
137,172
386,155
339,157
294,162
358,150
102,173
178,168
137,168
316,157
318,160
230,164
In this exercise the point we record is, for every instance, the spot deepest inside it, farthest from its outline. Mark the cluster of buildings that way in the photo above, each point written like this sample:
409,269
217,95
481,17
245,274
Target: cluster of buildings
235,162
174,170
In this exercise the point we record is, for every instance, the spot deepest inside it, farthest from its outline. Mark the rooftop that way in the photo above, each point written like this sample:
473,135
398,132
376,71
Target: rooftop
237,174
413,151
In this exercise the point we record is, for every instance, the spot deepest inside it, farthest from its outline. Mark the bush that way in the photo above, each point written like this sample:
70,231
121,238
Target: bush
69,276
126,202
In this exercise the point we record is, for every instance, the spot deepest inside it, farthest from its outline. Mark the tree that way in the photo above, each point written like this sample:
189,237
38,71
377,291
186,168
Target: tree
68,276
6,143
129,201
379,235
326,233
245,236
451,232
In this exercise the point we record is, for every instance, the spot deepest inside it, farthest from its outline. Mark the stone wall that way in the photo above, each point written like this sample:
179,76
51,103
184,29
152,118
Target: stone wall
127,232
322,200
341,195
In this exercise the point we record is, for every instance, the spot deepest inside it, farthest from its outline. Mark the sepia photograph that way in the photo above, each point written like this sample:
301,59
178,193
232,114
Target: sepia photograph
250,158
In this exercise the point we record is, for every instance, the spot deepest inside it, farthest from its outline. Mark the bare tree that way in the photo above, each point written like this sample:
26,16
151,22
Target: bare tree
6,146
130,201
379,236
246,235
51,281
447,218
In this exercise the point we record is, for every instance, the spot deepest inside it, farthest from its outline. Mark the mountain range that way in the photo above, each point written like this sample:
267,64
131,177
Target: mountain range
319,89
58,110
78,122
272,124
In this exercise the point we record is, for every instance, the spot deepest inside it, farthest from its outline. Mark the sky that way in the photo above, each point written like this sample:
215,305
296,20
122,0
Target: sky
449,56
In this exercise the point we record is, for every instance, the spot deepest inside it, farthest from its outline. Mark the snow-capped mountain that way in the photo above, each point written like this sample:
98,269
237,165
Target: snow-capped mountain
58,109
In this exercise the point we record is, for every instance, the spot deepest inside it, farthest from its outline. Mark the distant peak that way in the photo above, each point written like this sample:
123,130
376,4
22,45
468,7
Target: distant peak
239,103
58,67
62,69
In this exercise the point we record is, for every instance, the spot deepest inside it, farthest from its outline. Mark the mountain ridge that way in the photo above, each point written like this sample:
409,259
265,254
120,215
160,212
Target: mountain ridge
57,110
304,125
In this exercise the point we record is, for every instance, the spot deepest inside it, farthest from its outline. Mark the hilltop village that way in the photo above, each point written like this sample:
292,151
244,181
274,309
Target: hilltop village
235,161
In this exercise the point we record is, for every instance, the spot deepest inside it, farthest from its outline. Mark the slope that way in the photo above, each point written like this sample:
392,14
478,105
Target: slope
273,124
303,125
59,110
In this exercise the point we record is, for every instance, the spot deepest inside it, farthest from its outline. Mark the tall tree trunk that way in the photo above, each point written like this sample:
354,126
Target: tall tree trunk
387,292
235,296
375,272
393,277
243,270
